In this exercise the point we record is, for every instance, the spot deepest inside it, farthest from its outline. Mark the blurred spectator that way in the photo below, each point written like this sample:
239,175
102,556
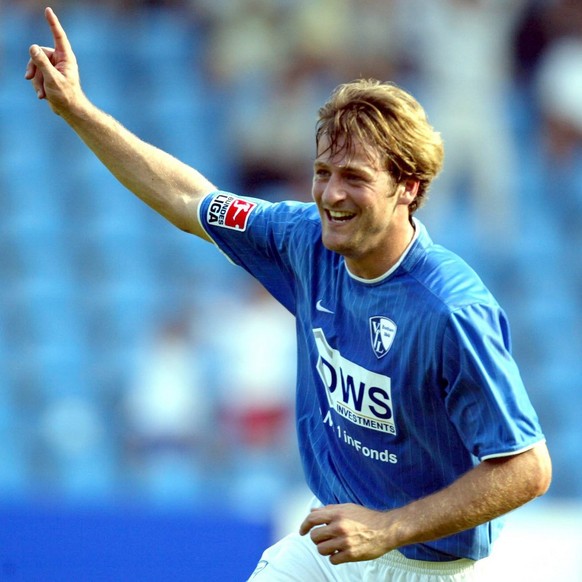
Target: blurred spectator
541,25
168,414
463,52
531,36
556,140
258,382
245,43
559,89
252,338
320,35
272,132
372,41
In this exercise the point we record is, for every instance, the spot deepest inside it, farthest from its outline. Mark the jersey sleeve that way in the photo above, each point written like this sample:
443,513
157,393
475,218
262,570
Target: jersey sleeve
261,237
485,395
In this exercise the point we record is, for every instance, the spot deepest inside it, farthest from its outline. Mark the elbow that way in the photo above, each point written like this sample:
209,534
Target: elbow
542,473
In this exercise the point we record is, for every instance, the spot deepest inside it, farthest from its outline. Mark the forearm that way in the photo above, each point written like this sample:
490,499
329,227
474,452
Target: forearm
491,489
349,532
169,186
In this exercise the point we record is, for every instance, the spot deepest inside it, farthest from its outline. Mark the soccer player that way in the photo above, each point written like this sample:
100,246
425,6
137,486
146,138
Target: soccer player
415,429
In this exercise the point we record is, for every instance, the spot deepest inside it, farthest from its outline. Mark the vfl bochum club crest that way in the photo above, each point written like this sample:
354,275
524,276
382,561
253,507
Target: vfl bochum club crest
382,332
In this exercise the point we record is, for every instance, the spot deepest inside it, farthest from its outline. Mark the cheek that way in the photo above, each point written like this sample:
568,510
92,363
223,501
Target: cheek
316,192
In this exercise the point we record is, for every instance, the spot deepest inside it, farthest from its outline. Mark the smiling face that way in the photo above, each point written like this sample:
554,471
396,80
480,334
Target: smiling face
364,211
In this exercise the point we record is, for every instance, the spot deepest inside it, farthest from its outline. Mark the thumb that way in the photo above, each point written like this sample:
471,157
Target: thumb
35,52
38,69
40,57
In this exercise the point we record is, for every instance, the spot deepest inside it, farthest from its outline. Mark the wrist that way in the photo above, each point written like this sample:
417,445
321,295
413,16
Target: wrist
75,111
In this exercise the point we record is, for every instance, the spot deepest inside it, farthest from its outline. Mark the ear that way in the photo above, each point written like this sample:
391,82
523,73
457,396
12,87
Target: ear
407,191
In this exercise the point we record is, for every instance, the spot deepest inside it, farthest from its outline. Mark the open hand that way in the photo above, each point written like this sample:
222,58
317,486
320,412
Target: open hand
53,72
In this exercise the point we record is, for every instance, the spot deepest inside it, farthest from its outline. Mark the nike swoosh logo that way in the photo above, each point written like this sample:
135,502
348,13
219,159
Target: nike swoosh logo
320,307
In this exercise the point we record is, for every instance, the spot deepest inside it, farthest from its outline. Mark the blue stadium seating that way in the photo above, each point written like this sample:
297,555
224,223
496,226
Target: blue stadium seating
87,269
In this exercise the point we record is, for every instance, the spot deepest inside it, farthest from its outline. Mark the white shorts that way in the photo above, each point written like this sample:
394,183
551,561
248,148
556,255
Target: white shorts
295,559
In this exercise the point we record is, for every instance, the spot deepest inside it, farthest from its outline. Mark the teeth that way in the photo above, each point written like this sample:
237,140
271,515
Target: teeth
340,214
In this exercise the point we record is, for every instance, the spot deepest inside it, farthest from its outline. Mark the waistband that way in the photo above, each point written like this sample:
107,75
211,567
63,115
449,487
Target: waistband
401,562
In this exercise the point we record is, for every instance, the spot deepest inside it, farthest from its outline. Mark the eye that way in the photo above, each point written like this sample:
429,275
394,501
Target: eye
321,173
354,177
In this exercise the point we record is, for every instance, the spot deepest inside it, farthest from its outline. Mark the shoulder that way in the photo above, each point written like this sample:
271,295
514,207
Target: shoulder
444,278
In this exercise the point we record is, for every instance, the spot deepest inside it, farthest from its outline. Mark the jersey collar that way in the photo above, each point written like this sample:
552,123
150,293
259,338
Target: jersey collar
407,258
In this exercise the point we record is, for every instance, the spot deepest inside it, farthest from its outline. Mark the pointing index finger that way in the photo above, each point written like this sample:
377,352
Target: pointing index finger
61,41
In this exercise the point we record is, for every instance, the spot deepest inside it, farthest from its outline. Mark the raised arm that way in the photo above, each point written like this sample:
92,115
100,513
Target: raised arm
169,186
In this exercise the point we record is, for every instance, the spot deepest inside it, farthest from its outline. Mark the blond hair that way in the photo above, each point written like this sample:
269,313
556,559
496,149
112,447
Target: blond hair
388,120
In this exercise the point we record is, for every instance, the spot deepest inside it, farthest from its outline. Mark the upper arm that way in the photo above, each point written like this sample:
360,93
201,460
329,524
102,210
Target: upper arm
529,471
196,227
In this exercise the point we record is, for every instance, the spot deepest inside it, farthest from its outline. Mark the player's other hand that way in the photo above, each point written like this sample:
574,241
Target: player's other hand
53,72
347,532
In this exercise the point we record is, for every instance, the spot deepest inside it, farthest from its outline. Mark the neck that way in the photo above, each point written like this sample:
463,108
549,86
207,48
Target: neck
378,265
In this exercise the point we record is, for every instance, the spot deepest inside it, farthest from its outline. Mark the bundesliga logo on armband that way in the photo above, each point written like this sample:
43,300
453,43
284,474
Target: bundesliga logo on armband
228,211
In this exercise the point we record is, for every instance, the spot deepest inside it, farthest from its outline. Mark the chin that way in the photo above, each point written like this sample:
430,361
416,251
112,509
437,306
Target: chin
336,246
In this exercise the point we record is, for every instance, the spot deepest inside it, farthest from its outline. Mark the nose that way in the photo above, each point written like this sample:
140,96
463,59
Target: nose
332,191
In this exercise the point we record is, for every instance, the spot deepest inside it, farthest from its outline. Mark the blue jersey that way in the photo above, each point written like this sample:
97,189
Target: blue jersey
404,383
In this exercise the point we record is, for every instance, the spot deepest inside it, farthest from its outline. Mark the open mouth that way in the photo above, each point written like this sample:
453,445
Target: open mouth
339,215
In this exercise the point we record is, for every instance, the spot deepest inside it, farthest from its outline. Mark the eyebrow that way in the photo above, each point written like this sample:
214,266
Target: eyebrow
358,168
